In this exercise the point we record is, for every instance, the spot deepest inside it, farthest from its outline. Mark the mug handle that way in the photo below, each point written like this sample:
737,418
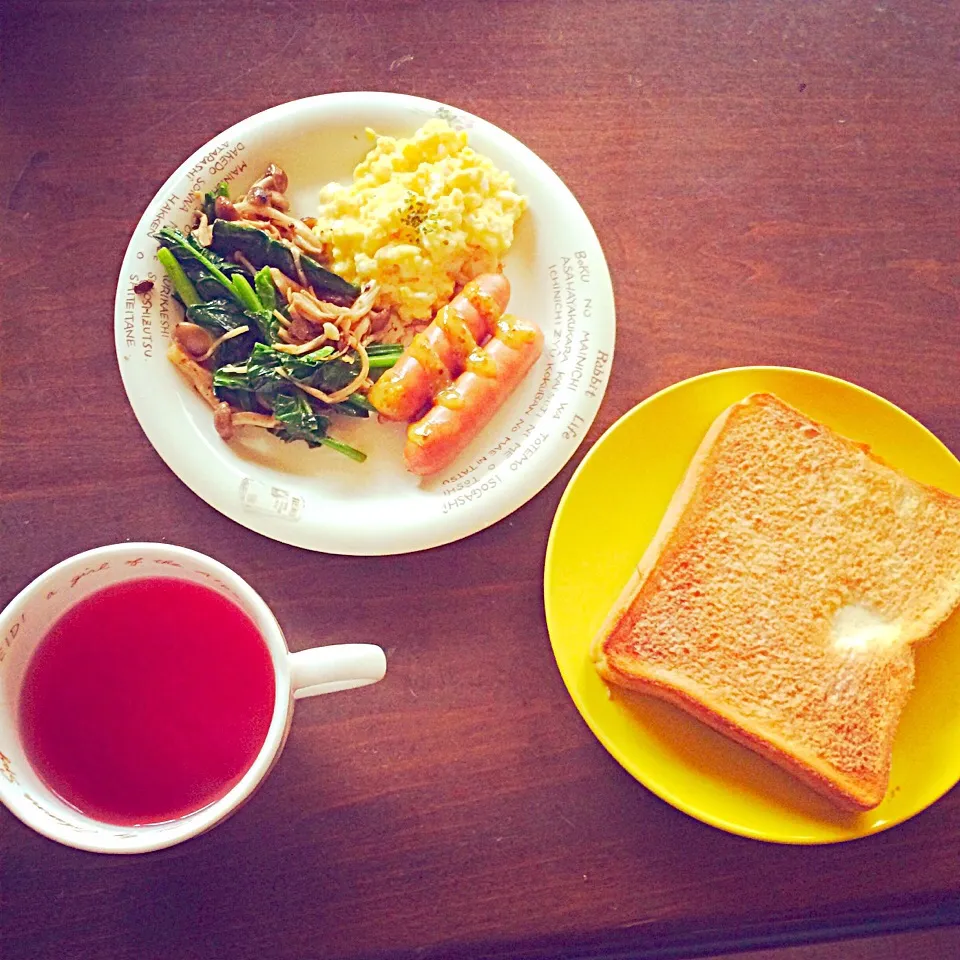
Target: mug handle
342,666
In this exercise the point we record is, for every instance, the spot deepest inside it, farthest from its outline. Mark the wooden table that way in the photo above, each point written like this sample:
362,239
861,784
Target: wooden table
772,182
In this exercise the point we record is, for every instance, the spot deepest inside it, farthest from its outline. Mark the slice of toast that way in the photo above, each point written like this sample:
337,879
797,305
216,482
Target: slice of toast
783,593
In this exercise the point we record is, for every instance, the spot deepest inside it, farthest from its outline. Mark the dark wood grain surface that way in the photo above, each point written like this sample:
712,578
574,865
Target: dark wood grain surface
772,182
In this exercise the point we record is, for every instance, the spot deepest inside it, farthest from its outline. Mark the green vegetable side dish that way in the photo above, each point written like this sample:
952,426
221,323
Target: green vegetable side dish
253,359
262,251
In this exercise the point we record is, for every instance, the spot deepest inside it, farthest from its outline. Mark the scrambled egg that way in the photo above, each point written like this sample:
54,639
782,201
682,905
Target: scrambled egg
422,216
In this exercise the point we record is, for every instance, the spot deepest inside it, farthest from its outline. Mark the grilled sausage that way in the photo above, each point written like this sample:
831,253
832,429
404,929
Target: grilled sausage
464,408
439,354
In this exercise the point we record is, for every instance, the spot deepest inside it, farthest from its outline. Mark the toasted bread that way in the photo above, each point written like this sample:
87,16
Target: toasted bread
783,593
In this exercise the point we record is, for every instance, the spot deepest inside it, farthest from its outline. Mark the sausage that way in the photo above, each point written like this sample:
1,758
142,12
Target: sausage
439,353
463,409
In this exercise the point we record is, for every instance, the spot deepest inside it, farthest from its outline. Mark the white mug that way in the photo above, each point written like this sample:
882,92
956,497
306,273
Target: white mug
26,620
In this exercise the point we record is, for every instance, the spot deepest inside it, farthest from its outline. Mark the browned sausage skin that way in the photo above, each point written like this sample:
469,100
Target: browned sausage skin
438,355
464,408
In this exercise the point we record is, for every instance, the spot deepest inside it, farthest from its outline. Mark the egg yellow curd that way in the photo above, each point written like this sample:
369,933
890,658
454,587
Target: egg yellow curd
422,216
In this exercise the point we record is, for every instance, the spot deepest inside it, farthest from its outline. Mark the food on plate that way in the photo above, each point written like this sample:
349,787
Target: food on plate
457,373
290,322
464,407
270,338
440,352
422,216
782,596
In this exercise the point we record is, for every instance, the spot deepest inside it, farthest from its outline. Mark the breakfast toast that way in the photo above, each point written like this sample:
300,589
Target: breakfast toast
783,593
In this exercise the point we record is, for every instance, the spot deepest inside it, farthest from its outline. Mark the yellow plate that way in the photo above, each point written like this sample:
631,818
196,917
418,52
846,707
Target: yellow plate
609,513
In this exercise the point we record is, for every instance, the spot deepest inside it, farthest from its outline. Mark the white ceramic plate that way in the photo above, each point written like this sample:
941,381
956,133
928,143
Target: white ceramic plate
317,498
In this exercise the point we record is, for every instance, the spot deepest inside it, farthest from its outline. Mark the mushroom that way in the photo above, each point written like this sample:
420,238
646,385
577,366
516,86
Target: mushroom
224,209
269,190
223,420
192,339
199,377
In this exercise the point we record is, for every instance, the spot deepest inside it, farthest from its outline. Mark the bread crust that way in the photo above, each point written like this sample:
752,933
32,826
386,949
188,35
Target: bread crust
844,792
678,503
857,790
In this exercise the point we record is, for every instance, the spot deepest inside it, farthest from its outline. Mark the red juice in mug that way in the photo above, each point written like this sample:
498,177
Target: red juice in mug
146,701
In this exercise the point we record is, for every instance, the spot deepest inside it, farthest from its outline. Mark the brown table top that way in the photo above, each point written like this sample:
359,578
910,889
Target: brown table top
771,182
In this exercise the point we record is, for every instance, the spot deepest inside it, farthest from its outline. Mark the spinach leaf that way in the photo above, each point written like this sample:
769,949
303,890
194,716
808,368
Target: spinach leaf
359,406
266,289
308,366
232,376
210,273
263,251
260,373
218,317
356,405
267,373
323,371
299,421
232,385
239,399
